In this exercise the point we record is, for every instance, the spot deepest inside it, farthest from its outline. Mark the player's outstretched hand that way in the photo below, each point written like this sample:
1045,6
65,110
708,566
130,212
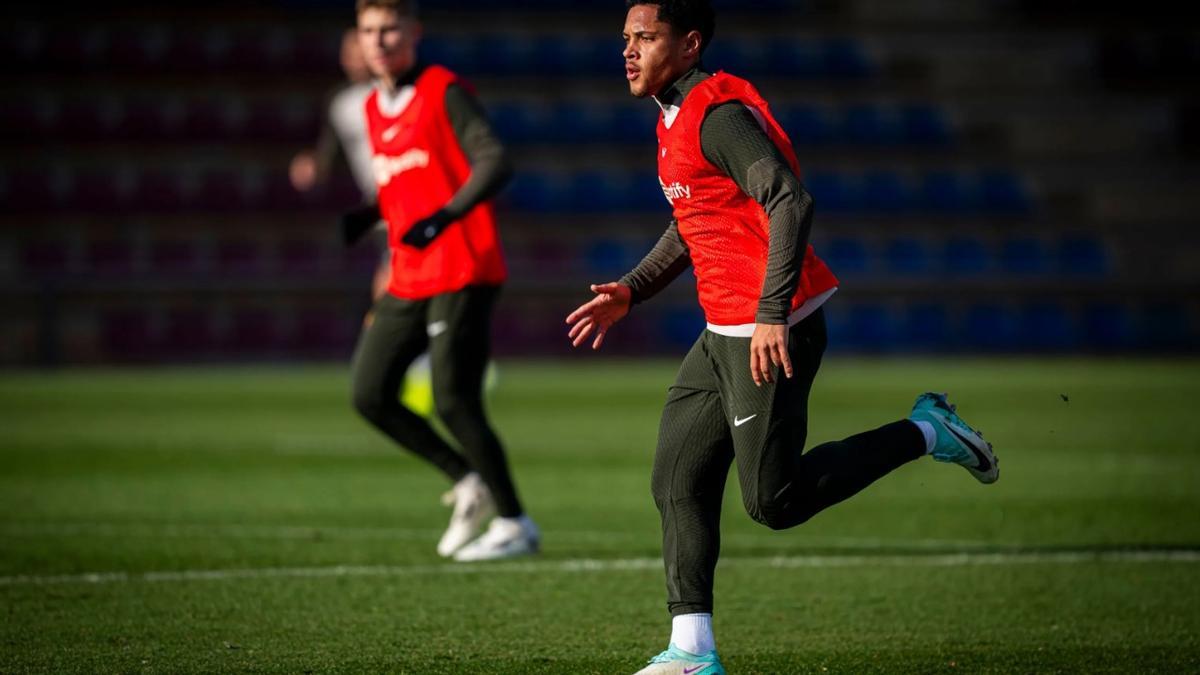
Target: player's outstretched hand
610,305
768,347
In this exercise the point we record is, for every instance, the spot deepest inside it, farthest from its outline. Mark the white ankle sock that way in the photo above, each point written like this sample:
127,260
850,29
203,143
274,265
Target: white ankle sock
930,435
693,633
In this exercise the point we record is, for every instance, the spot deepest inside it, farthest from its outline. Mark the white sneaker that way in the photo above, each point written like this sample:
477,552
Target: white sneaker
473,507
505,538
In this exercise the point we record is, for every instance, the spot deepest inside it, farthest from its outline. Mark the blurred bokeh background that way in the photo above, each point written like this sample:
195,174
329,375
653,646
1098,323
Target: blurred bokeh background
990,175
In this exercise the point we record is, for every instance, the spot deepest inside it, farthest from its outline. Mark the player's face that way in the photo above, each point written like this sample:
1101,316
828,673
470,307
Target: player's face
654,55
388,41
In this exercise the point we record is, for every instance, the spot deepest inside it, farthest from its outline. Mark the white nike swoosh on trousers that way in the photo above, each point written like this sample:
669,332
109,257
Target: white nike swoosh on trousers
737,422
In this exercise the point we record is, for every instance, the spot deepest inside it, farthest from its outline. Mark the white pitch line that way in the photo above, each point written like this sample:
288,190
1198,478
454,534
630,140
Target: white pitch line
589,565
335,532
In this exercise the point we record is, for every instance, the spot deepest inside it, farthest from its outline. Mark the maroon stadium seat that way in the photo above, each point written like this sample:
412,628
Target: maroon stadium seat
44,257
126,334
220,191
324,332
299,257
96,191
174,256
30,192
110,257
240,256
189,332
254,331
159,191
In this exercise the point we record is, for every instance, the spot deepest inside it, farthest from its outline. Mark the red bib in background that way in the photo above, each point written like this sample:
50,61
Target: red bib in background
418,166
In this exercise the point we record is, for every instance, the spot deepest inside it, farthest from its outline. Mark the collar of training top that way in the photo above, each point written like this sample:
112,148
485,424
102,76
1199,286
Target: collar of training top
674,94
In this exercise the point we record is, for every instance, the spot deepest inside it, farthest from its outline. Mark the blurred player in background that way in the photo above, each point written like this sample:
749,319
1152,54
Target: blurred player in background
437,164
742,221
345,127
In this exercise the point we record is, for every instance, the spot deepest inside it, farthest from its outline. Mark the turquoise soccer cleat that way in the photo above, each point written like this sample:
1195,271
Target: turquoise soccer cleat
956,442
675,661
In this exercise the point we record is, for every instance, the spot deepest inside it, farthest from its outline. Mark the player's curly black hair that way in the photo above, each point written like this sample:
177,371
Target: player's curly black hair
685,16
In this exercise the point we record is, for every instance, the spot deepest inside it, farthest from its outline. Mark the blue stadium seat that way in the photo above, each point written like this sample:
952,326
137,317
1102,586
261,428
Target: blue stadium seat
867,124
457,53
743,56
885,191
845,256
830,191
601,191
945,192
510,120
1167,325
504,54
584,122
606,258
1003,193
599,56
1107,325
635,123
924,124
647,194
1082,256
990,326
1046,326
926,327
870,327
681,325
964,257
845,58
1024,256
540,192
907,257
799,59
806,125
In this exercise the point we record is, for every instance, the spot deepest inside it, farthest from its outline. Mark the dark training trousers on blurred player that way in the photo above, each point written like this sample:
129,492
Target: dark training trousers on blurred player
455,328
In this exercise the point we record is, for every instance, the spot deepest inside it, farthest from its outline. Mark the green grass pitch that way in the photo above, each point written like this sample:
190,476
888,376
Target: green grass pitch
244,520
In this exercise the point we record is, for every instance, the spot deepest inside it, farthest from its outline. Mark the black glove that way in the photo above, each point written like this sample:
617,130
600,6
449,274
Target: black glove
424,231
358,222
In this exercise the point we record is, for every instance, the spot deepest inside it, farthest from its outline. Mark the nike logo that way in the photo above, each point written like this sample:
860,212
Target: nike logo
389,134
739,422
702,666
981,461
436,328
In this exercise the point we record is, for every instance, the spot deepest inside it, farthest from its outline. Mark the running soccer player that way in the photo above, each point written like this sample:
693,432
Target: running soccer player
437,164
741,220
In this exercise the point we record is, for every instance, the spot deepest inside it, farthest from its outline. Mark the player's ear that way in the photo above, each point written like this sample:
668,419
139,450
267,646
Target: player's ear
692,43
